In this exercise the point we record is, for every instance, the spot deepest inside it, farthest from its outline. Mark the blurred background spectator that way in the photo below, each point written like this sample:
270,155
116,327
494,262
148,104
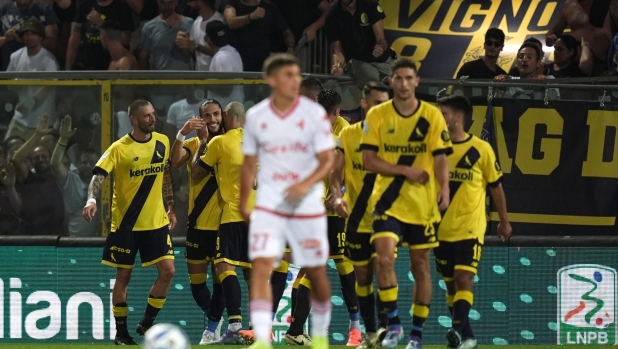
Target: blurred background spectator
10,199
567,61
84,51
158,48
225,59
486,67
112,42
183,110
14,14
34,101
536,42
195,40
303,17
253,25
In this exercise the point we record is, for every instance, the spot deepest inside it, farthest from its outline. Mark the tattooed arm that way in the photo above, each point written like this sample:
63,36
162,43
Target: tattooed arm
168,193
93,189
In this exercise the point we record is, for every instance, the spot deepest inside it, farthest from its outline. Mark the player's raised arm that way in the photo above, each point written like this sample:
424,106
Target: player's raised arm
179,154
168,193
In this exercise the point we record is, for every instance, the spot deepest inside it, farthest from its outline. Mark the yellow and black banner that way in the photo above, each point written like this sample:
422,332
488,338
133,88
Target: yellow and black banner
442,35
560,164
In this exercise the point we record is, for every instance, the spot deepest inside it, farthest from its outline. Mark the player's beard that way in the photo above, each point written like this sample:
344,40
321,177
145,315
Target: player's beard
146,129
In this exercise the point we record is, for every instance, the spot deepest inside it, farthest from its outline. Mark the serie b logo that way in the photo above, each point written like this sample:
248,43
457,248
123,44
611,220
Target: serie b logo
587,305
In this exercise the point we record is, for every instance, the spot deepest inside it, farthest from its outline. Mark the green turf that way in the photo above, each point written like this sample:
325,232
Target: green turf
102,346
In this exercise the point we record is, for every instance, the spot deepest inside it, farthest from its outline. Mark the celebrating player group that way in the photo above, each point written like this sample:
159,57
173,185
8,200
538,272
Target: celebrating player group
290,181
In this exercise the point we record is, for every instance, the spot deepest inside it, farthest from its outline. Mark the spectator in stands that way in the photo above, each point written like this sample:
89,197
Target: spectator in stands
10,199
111,40
356,30
13,142
158,49
567,62
49,141
303,17
34,101
587,19
487,66
13,16
515,72
310,88
43,207
74,186
195,40
529,58
180,112
84,51
226,59
253,24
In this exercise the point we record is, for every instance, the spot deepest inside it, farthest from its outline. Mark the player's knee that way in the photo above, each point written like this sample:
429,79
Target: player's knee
385,261
420,269
123,277
362,275
167,273
464,280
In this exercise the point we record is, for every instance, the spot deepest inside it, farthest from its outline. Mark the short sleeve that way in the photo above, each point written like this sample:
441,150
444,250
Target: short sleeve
323,138
492,172
107,162
375,12
339,143
463,71
331,26
209,160
371,131
171,114
191,146
439,141
145,42
249,138
12,63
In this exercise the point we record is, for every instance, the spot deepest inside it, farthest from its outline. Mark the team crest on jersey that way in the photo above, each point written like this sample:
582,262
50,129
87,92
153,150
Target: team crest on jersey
446,137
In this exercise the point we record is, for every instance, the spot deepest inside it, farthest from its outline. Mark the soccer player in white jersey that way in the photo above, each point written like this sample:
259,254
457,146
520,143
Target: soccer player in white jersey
290,136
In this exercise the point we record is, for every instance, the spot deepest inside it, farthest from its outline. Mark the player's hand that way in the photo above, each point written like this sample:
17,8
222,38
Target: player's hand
550,40
172,217
259,12
329,202
444,198
11,34
183,41
66,131
343,209
416,175
202,133
8,175
501,78
195,123
296,192
95,17
42,128
504,231
89,211
377,51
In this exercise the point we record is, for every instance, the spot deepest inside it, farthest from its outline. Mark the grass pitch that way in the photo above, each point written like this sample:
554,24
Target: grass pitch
110,346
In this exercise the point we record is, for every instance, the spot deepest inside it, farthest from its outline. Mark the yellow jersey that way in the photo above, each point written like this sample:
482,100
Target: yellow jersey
358,181
338,126
406,141
225,157
205,201
138,167
472,167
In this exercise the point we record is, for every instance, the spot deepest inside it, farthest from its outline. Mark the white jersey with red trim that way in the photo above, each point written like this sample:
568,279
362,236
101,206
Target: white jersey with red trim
287,146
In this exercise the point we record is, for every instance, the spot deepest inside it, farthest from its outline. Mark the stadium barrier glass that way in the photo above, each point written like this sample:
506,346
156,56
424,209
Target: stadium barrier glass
525,294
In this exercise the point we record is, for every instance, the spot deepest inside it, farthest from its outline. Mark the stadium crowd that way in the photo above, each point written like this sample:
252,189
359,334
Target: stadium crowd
44,163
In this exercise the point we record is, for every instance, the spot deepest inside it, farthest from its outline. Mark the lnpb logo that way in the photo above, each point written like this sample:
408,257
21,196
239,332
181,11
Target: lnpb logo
587,305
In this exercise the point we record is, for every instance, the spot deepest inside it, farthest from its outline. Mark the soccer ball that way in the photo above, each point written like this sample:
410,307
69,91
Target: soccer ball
166,336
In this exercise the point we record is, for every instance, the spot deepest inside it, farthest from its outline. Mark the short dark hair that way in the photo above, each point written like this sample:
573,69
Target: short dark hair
534,40
571,44
209,102
136,105
373,86
457,103
495,33
534,47
329,99
277,61
312,84
402,63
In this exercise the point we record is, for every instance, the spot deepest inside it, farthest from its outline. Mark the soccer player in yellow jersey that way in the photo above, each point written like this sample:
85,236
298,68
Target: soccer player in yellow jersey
205,208
355,207
406,141
223,158
472,167
142,175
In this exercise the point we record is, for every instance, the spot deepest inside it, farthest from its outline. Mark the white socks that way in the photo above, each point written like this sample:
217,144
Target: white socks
261,319
321,318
